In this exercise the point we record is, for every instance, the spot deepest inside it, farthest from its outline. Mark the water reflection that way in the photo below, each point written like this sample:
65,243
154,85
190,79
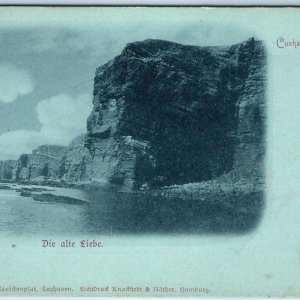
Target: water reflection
125,213
121,213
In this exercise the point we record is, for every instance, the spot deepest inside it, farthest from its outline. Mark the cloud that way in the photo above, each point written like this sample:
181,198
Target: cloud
13,143
103,38
14,83
62,117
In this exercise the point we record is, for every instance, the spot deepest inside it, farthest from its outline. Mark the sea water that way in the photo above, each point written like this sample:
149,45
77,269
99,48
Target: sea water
107,212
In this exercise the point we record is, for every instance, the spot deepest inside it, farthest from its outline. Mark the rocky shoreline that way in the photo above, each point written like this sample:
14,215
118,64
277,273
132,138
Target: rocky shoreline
214,189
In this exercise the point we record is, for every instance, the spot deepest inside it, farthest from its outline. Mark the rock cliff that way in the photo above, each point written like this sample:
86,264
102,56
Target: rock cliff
76,163
7,169
44,162
166,114
50,162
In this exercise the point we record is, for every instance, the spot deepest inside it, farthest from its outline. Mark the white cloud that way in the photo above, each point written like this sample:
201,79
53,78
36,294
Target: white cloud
14,83
62,117
13,143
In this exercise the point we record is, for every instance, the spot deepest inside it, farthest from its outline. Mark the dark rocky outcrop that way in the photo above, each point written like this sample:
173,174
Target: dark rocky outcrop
51,198
169,114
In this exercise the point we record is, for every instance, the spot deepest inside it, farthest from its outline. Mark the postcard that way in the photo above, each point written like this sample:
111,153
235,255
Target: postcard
149,151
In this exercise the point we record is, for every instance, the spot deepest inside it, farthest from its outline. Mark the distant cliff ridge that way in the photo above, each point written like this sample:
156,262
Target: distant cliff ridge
165,114
45,161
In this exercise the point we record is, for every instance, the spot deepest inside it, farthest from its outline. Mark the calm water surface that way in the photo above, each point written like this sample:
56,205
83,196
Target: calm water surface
110,212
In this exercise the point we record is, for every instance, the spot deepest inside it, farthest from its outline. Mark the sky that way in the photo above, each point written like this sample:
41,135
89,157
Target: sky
48,57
